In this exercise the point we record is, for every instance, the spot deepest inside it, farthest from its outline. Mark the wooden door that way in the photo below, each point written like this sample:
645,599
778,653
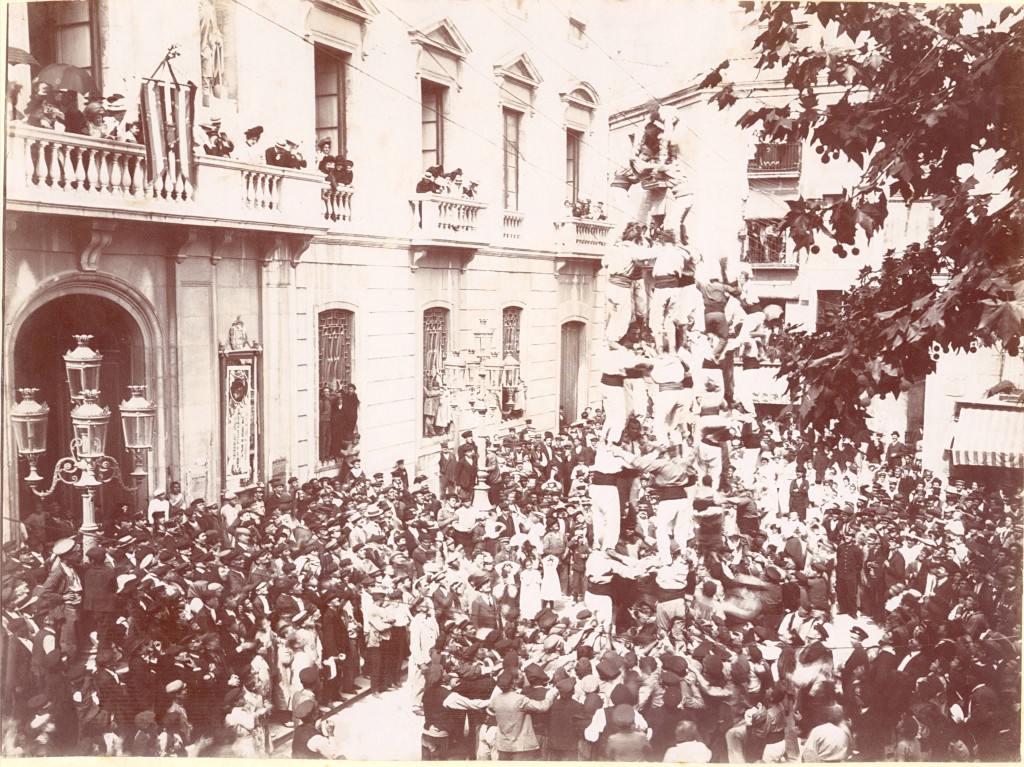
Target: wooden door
569,370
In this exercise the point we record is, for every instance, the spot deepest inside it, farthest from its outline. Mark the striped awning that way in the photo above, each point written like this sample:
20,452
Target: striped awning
988,436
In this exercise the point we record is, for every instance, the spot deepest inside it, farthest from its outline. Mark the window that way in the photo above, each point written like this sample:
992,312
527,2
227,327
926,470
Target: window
435,351
335,334
65,32
511,144
765,244
513,399
830,307
573,142
432,121
330,66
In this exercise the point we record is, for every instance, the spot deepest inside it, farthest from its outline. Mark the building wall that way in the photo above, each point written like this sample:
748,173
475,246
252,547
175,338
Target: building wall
196,275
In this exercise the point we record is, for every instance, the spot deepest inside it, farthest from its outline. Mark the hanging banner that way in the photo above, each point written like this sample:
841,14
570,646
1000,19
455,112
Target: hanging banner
168,116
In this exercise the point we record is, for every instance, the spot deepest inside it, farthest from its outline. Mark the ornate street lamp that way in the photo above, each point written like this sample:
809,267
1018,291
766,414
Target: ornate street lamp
88,466
30,419
510,371
83,367
138,417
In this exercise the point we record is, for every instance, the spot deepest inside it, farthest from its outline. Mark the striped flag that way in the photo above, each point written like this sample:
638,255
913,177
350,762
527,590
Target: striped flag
168,113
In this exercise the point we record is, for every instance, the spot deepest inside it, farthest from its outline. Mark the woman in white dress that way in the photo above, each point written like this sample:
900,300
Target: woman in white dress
550,586
529,590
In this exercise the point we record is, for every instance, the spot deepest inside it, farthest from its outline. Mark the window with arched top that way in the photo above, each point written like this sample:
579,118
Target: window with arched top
513,389
335,348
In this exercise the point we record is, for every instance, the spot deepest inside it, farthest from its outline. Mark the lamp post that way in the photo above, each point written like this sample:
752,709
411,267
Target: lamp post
88,466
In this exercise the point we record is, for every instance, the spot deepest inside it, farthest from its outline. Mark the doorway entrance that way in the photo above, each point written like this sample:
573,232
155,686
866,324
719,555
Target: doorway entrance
573,351
43,340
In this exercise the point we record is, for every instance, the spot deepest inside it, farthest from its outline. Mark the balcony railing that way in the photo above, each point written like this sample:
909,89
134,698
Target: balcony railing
446,220
775,160
582,236
765,245
337,203
512,226
50,169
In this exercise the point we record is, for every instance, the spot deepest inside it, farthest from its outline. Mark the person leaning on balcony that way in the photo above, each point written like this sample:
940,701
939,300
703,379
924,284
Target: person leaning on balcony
251,152
426,184
114,121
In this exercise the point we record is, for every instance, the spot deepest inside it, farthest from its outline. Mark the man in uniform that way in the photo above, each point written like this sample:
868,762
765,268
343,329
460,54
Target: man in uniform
63,588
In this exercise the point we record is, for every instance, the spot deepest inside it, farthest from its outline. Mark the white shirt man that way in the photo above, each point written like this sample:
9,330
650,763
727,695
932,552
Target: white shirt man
158,504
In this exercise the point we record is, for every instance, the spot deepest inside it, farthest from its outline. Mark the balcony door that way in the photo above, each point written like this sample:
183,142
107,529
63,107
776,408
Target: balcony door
572,358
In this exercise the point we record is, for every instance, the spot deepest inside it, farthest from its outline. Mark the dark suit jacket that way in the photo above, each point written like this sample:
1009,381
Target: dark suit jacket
465,475
99,587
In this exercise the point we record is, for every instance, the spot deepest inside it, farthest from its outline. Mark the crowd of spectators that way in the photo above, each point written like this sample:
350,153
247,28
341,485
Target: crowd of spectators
447,184
869,612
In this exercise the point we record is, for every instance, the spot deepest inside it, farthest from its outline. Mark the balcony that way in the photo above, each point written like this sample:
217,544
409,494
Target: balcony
582,237
337,203
775,160
447,222
67,173
765,247
511,226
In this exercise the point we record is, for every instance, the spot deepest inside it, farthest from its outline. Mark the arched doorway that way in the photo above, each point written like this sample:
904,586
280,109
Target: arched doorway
573,349
42,341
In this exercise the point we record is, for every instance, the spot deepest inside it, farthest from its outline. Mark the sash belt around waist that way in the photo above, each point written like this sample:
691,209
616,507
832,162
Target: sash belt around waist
613,380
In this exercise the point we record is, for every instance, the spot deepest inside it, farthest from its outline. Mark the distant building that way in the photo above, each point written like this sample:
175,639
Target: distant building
741,184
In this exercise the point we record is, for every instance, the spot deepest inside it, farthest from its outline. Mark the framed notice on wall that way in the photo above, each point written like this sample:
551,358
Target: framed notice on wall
240,396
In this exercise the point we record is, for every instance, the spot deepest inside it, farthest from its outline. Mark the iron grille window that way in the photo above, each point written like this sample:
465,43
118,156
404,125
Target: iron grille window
765,244
435,350
335,347
513,400
510,324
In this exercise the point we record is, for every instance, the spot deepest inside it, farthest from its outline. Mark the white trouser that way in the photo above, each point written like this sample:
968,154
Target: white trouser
636,397
663,317
671,521
709,461
690,310
417,682
607,515
614,399
749,326
746,463
743,387
601,607
618,312
670,409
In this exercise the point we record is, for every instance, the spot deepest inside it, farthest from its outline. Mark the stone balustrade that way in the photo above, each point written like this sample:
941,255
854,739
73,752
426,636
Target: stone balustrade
52,169
446,219
337,203
512,226
582,236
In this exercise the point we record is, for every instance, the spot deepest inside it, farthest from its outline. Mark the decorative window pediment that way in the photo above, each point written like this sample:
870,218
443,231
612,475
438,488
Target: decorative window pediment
442,51
518,79
363,10
341,23
581,100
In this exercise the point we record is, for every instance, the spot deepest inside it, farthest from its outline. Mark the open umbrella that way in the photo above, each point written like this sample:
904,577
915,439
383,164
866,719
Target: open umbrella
65,77
20,56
